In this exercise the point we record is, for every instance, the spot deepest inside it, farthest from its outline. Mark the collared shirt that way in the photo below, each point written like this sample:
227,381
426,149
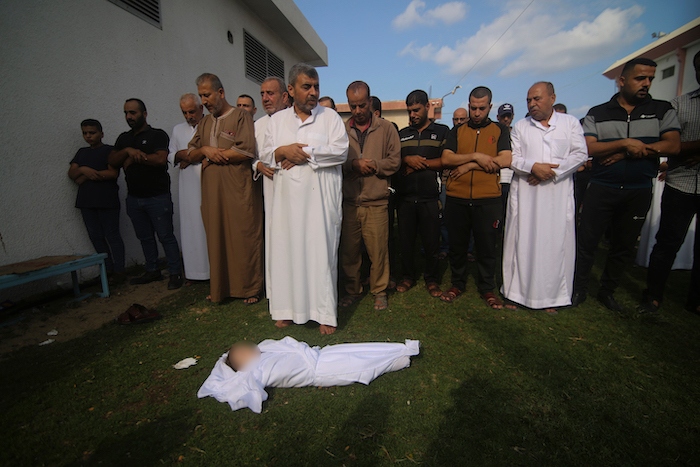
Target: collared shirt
361,134
647,122
680,177
421,185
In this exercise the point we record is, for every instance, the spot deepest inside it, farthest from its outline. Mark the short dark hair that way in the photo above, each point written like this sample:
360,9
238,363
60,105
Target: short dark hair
91,122
560,107
695,58
246,96
480,92
376,104
629,66
213,80
142,106
417,97
328,98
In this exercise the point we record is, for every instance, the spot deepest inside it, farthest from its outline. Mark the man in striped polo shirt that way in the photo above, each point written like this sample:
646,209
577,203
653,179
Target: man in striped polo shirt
625,137
680,202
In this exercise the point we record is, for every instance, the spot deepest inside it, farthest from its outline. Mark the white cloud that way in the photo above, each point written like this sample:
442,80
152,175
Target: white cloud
543,40
447,13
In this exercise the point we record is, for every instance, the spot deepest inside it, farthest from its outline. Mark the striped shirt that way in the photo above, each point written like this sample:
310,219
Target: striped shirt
680,177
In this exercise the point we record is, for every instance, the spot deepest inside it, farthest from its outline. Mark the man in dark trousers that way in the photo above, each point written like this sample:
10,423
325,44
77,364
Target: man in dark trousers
143,152
475,151
418,191
625,137
680,202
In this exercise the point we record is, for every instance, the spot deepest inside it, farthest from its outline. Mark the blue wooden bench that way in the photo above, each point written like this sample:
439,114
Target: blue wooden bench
48,266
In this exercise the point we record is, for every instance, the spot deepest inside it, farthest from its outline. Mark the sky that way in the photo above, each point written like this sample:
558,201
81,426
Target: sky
397,46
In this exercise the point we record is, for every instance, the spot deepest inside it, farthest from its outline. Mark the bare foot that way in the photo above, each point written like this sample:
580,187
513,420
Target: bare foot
551,311
326,330
283,323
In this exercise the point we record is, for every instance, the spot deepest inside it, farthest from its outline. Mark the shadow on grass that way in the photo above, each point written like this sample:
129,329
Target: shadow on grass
151,443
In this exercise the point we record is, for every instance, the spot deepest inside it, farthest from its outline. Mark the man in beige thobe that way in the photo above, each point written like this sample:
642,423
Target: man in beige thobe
231,200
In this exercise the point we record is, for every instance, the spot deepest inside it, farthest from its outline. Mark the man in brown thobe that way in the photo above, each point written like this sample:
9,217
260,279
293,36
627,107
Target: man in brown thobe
232,208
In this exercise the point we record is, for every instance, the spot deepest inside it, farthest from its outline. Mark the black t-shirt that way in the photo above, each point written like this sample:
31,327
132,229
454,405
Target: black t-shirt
145,181
96,194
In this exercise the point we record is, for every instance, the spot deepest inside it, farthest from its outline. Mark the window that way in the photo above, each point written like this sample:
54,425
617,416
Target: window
668,72
259,61
147,10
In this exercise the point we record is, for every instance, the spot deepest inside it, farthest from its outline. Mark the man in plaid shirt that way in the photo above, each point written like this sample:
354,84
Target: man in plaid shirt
680,202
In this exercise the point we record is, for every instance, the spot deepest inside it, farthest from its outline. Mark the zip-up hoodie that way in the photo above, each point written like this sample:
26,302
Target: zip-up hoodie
382,146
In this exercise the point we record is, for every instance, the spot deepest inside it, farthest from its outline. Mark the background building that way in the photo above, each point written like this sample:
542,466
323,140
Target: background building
67,61
673,54
395,111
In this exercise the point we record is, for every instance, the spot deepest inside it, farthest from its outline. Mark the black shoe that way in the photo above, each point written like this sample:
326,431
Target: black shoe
175,281
147,278
578,298
609,302
648,307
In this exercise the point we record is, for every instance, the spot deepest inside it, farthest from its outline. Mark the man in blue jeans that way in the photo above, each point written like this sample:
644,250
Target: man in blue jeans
143,152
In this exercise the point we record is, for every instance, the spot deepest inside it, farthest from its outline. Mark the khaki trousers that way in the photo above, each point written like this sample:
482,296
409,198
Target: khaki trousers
371,225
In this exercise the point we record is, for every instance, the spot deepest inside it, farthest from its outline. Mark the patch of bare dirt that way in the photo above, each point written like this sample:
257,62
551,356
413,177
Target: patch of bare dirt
73,319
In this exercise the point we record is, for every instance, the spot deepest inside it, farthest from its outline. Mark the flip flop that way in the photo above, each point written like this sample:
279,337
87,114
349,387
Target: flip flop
450,295
137,314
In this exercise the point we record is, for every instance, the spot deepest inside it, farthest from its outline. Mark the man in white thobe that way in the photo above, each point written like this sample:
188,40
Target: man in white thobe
192,236
273,93
540,241
309,144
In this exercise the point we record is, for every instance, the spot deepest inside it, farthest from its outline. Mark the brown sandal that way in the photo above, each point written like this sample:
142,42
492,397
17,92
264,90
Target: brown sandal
405,285
434,289
348,300
492,300
137,314
450,295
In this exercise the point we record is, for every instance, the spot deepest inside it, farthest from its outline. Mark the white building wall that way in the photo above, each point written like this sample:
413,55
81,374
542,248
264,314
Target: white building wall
665,89
63,62
689,81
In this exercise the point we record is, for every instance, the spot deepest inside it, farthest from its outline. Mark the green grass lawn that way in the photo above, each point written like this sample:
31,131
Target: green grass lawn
586,387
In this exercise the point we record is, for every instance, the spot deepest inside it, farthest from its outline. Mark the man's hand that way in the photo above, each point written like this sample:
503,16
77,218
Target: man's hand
91,174
543,171
532,180
486,162
214,155
636,149
287,164
416,162
459,171
610,160
184,164
294,153
269,172
365,167
137,155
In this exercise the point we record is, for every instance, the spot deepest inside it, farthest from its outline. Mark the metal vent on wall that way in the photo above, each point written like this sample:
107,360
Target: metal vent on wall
147,10
259,61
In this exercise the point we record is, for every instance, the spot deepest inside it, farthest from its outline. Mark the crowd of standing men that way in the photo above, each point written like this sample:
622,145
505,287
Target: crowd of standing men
280,205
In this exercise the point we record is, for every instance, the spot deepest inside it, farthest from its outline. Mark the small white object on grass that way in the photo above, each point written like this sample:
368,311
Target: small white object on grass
185,363
52,332
47,342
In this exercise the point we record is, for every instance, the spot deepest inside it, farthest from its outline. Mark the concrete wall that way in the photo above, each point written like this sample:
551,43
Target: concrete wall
66,61
665,89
